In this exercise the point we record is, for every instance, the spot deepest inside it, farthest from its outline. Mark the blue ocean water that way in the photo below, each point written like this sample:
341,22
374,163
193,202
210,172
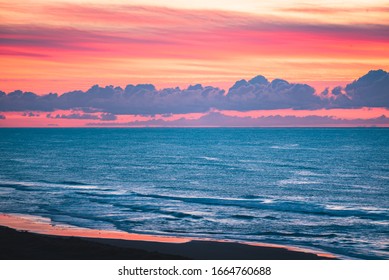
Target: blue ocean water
313,187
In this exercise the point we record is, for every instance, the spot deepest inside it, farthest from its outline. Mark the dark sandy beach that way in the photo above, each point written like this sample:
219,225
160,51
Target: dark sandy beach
22,245
30,237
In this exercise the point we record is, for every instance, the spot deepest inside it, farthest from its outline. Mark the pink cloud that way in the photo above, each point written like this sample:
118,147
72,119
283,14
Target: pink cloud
133,31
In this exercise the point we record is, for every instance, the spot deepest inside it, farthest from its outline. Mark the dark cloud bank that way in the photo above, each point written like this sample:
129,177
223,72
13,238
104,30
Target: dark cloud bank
371,90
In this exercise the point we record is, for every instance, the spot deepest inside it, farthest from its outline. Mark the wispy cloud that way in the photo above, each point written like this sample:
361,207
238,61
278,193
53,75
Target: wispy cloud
134,31
326,10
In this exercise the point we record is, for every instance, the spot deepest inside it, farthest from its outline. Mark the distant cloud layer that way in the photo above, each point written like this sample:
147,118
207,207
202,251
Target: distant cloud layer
77,116
30,114
215,119
371,90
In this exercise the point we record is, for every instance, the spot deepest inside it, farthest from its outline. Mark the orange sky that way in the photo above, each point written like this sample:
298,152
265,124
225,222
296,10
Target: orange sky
59,46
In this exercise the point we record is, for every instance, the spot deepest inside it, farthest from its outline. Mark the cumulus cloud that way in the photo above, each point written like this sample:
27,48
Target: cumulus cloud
215,119
371,90
260,94
141,99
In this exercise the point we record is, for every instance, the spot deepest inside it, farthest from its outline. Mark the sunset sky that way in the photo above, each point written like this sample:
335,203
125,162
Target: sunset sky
61,46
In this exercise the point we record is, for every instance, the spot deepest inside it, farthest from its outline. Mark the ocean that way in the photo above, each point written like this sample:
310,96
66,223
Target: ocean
318,188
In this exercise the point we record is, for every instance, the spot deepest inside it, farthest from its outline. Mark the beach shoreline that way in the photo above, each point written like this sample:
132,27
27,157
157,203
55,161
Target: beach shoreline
31,237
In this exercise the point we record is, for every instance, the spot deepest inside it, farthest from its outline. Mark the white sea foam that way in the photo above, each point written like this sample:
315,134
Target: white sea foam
35,218
10,182
285,147
80,187
194,182
381,177
374,209
356,208
307,173
336,207
346,175
210,158
380,223
297,181
365,187
48,185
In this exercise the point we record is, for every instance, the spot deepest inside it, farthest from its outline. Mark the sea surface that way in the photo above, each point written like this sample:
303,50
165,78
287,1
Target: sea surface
325,189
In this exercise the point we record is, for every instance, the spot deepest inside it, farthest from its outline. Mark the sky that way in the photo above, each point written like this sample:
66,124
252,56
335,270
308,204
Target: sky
317,47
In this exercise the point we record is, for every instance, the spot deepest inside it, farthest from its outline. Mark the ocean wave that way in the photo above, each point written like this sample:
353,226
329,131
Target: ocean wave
104,193
72,183
46,185
297,234
242,217
278,205
19,186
